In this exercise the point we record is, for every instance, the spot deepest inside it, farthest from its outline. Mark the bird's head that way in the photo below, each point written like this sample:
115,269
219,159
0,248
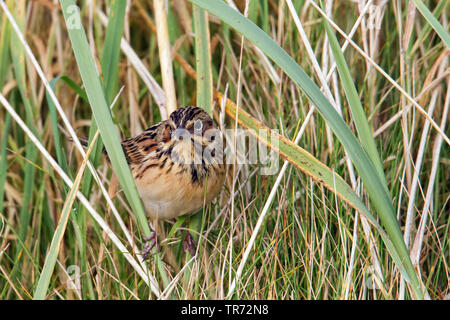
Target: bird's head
193,132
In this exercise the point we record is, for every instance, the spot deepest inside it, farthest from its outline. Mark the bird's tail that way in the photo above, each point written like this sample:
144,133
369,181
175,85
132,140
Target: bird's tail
85,142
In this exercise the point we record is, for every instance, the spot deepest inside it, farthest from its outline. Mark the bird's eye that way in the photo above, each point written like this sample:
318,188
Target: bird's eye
198,125
213,138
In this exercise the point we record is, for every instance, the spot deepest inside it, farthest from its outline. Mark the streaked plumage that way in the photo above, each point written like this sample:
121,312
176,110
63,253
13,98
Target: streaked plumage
169,184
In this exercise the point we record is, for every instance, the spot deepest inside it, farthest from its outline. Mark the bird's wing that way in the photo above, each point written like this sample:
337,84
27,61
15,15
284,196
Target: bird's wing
137,149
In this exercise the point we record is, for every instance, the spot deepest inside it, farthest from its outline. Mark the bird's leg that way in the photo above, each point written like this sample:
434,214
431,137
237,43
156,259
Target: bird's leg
195,225
149,242
189,244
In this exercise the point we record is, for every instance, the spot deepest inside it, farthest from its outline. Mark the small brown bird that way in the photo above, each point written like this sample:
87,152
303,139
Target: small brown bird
177,164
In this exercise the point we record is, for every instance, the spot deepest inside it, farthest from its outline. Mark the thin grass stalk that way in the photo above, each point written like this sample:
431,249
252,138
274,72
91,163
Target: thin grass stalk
5,34
427,28
265,210
3,159
317,69
410,211
204,95
437,145
11,283
407,134
358,115
421,95
60,155
18,62
324,83
235,171
165,54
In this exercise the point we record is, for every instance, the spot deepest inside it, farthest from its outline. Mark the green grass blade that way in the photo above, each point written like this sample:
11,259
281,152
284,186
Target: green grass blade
60,154
204,98
111,48
75,87
253,8
426,29
101,111
5,35
359,117
110,71
428,15
18,58
4,68
204,80
3,160
203,59
378,194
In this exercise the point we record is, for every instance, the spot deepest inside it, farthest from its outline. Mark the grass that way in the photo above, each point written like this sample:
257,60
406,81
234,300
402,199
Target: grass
289,235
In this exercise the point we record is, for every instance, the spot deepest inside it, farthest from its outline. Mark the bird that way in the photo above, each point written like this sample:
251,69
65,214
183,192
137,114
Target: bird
177,165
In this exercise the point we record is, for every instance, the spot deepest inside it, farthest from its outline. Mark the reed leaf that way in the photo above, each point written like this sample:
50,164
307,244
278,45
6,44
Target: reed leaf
359,117
203,60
